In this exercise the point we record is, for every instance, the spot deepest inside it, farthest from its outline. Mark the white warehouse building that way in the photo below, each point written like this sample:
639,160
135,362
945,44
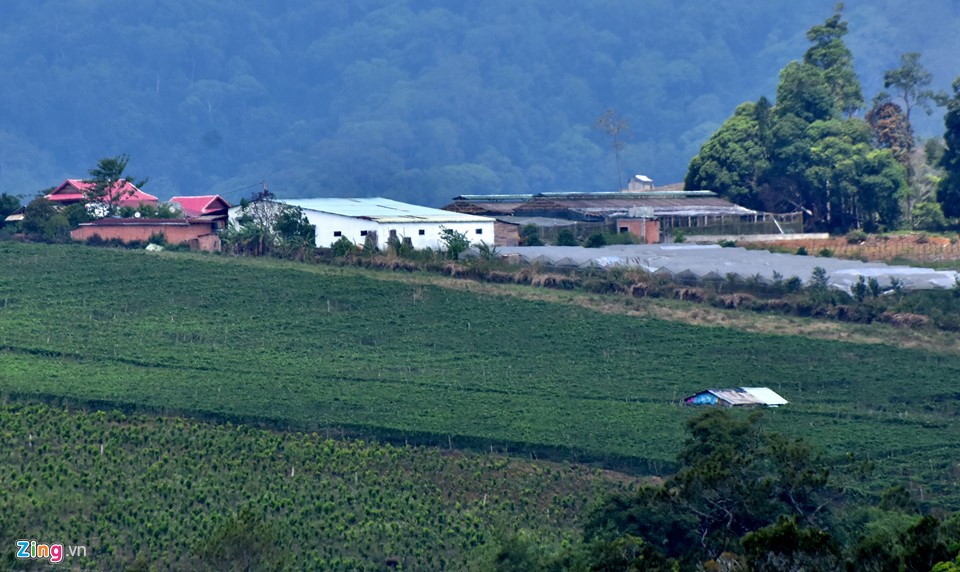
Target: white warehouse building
356,219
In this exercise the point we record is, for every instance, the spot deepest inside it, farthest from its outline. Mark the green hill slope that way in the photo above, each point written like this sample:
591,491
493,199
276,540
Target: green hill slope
340,348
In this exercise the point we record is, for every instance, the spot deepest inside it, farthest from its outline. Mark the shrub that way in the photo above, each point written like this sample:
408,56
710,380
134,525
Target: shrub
802,251
856,236
860,289
342,247
566,238
825,253
158,238
596,240
530,236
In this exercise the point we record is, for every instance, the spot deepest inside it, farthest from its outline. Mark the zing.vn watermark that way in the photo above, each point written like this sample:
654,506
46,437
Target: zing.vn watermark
33,550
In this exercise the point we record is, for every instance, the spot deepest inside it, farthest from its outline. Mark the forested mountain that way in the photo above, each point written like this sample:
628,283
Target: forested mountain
416,100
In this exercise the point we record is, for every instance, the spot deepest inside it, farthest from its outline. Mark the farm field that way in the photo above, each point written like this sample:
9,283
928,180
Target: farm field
340,350
143,493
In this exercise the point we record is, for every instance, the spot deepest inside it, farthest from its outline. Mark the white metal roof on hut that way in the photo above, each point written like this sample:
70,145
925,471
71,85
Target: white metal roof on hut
737,397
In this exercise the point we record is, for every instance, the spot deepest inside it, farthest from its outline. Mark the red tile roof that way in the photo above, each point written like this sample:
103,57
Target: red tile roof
72,190
201,205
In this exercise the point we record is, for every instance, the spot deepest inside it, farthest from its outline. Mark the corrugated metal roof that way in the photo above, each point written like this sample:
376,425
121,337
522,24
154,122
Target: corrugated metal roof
765,395
382,210
537,220
663,203
741,396
735,396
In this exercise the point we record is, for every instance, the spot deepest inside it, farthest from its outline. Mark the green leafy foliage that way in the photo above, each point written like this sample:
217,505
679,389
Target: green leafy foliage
530,235
42,221
733,161
595,240
566,238
807,152
911,80
948,195
243,542
454,242
8,205
107,181
733,479
265,226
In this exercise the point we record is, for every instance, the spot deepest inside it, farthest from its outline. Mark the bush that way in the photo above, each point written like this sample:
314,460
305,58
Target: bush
566,238
793,284
825,253
595,240
856,236
158,238
530,236
342,247
802,251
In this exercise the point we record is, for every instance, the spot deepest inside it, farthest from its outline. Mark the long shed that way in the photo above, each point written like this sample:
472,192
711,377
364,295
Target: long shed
356,219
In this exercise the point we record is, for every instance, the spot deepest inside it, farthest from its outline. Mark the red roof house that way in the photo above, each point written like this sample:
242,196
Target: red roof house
202,205
72,191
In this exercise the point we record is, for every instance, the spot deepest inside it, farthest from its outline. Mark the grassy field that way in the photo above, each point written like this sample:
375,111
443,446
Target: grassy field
342,348
149,492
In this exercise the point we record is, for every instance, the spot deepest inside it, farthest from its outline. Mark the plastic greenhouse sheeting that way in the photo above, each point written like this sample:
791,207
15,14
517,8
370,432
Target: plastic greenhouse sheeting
712,262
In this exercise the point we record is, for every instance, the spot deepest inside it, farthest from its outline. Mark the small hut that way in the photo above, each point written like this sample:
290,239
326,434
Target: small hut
737,397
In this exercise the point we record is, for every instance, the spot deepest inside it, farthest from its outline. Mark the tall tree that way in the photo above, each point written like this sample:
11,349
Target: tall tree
910,81
948,195
831,54
108,183
617,128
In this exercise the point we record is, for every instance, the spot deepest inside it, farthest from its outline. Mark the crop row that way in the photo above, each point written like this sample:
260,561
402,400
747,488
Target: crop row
154,488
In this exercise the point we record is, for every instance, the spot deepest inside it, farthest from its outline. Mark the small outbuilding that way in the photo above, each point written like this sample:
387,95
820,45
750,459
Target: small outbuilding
198,233
737,397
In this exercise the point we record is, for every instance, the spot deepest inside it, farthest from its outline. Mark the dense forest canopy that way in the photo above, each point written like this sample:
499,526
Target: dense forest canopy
412,99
